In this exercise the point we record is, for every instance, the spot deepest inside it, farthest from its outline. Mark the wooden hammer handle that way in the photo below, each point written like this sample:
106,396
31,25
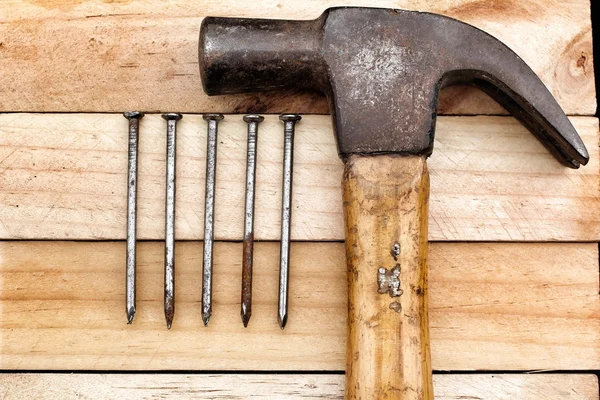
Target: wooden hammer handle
385,207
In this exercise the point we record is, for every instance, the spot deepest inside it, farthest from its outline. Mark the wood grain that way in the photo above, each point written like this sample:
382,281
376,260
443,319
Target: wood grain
64,177
385,210
101,56
493,306
293,387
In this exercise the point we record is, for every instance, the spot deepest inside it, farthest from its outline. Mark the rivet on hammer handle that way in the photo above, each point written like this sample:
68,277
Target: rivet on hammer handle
289,121
134,119
248,247
171,119
209,208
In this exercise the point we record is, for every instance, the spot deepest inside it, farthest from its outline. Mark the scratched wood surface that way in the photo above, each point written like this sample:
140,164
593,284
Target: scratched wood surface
109,56
64,177
294,387
493,306
498,306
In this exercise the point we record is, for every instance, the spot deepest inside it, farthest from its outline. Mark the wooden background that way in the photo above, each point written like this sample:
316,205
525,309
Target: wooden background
514,259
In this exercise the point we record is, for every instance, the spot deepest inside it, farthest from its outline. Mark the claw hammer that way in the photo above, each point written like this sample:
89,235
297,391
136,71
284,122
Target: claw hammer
381,70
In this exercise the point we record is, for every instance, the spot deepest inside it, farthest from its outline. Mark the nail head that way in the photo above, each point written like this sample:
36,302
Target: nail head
212,117
290,117
253,118
172,116
133,114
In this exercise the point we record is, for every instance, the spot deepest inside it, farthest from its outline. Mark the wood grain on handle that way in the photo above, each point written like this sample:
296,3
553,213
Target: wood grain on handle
385,207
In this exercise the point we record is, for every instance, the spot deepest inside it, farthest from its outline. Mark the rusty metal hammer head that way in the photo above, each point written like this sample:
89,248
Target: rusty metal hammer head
381,70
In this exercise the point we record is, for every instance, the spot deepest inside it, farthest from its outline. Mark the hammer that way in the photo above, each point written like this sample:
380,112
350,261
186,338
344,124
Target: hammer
381,71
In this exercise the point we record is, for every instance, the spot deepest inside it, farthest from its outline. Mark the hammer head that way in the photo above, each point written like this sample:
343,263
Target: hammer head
381,71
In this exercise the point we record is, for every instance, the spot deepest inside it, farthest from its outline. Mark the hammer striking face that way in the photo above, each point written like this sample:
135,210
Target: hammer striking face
382,71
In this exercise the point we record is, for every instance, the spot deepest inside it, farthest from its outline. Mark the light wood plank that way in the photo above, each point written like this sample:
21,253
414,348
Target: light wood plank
105,56
298,386
64,177
493,306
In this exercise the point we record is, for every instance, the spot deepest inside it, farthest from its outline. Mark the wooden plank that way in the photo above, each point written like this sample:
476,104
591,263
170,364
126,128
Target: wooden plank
493,306
67,56
298,386
64,177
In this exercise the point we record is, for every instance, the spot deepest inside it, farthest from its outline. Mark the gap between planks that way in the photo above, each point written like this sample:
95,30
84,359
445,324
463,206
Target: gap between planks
493,306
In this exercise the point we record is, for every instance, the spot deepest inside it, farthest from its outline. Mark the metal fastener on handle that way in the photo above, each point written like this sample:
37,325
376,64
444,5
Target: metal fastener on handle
289,121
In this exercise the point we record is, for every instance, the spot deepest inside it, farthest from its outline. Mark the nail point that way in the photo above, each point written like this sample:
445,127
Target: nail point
282,321
130,315
169,318
245,315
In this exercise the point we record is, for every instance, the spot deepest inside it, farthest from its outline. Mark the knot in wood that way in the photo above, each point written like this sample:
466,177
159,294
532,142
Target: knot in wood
389,281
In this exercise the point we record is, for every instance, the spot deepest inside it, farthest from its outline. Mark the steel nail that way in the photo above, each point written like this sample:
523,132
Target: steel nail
132,164
209,207
171,119
248,247
289,121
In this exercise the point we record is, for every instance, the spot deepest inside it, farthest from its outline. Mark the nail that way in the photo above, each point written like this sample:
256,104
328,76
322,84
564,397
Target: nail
248,247
171,119
289,121
211,164
132,164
